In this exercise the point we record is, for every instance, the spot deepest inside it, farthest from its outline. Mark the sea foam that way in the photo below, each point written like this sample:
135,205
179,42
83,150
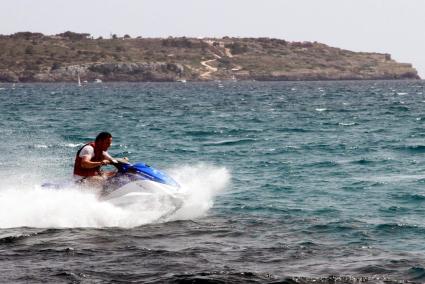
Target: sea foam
27,204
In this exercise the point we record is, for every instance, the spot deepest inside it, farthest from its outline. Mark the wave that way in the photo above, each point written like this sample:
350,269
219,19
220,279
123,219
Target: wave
327,211
267,278
28,205
200,132
394,209
72,145
14,238
416,148
230,142
321,109
41,146
410,197
417,273
396,228
294,129
65,145
367,162
412,148
399,108
347,123
333,227
228,131
322,164
375,269
362,162
224,277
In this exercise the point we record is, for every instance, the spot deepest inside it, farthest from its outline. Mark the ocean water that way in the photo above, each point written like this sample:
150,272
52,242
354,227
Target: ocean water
307,182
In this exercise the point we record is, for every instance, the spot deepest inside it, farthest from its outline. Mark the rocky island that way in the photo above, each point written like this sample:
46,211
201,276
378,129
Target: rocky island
34,57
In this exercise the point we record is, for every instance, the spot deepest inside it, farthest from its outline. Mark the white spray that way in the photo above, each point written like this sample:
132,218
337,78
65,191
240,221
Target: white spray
25,203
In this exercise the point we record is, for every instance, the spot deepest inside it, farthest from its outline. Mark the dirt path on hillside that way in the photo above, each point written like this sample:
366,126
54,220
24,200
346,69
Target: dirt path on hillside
210,68
224,52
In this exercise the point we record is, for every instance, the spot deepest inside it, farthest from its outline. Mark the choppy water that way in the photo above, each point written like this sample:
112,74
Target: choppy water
308,182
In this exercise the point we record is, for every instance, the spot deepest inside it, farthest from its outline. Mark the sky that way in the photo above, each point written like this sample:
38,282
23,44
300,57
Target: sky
387,26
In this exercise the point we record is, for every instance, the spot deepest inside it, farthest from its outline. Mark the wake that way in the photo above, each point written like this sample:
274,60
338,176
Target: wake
23,204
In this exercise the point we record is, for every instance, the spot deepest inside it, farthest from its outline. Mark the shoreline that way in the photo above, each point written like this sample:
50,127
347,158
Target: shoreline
212,81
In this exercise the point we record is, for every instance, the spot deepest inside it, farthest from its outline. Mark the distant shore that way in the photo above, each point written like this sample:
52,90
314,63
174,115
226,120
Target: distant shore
34,57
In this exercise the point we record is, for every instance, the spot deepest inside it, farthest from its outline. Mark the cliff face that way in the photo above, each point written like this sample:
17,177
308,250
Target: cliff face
129,71
33,57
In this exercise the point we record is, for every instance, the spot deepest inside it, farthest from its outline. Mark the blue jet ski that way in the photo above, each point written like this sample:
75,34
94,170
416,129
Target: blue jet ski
137,179
145,177
127,173
139,171
136,186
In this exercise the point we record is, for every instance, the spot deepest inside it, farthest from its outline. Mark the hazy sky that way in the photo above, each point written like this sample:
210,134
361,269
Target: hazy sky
389,26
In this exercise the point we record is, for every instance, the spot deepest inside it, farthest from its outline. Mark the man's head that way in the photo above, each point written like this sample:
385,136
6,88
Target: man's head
103,140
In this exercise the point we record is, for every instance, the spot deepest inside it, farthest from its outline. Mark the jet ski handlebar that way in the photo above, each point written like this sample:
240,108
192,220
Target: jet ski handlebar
120,163
142,171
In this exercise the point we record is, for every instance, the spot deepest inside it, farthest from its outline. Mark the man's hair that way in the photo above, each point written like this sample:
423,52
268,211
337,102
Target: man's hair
103,136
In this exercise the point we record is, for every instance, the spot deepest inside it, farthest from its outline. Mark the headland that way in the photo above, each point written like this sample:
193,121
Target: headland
34,57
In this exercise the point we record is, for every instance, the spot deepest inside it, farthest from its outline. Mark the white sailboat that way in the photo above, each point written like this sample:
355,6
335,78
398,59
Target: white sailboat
79,80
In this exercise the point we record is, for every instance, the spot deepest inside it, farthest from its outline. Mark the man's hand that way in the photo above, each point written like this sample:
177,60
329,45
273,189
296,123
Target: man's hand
105,162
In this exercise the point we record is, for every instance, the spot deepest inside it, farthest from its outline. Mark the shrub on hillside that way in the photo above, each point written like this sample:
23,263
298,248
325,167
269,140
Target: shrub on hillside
29,50
27,35
177,42
74,36
237,48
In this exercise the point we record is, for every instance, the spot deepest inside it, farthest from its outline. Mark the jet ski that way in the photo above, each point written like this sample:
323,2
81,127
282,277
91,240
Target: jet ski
139,185
136,187
148,179
130,180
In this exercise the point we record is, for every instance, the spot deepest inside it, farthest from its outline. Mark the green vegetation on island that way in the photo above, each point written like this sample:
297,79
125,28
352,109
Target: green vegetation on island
34,57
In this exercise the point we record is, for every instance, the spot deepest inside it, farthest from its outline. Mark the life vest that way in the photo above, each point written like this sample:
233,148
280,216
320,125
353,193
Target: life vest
84,172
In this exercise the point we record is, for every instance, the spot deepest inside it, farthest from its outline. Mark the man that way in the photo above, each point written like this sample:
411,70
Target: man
91,157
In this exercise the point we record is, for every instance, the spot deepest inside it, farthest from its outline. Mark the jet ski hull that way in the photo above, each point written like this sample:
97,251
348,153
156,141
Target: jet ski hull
132,180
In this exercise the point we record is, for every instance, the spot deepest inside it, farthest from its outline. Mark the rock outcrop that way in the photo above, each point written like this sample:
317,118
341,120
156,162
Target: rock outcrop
123,71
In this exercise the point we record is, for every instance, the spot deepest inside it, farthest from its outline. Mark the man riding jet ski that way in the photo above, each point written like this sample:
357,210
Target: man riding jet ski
91,157
132,186
129,179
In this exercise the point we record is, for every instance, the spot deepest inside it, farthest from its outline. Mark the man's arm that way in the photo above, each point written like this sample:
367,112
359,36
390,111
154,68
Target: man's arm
87,164
109,157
